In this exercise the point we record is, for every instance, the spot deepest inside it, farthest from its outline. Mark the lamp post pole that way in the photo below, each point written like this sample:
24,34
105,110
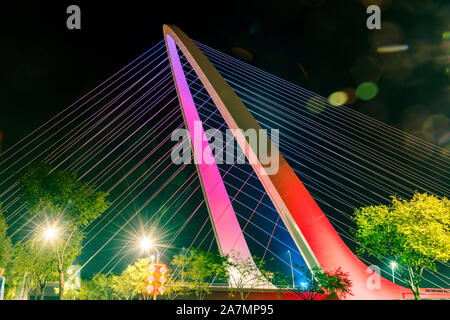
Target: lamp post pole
157,270
292,269
393,266
157,263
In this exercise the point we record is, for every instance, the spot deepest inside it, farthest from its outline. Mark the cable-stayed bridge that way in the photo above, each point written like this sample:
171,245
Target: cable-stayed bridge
118,137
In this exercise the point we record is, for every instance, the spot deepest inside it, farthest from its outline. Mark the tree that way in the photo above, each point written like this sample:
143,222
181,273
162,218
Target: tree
415,233
177,284
100,287
38,262
246,274
60,198
200,269
335,283
132,283
176,288
5,254
5,243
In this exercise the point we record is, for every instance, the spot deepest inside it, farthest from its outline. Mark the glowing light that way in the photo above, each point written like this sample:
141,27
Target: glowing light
150,288
146,243
161,289
162,279
394,265
151,279
393,48
338,98
50,233
367,90
152,268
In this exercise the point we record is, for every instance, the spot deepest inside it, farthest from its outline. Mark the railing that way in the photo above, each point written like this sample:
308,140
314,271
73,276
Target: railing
430,293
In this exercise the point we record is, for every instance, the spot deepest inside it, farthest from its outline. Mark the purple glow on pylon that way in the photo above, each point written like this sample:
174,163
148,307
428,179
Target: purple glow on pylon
226,225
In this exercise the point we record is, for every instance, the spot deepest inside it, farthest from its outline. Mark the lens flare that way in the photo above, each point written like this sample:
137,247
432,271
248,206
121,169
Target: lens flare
367,90
393,48
338,98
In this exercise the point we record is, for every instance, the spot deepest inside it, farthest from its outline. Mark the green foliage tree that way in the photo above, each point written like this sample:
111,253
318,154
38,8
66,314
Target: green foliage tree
59,197
6,254
178,284
5,243
246,274
199,269
38,262
176,288
415,233
100,287
132,283
335,283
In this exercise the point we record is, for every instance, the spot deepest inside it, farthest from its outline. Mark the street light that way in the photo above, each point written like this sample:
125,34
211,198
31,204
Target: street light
393,267
50,233
146,244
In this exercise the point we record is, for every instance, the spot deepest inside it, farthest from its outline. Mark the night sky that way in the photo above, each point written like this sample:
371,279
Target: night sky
323,46
45,67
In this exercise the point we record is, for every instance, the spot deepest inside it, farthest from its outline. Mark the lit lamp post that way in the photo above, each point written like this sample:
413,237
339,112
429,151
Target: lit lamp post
157,277
393,267
147,245
50,233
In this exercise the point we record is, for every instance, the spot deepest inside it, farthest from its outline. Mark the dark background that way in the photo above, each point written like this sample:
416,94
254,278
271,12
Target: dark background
45,67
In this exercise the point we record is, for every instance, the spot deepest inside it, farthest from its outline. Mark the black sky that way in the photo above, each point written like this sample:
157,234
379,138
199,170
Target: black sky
45,67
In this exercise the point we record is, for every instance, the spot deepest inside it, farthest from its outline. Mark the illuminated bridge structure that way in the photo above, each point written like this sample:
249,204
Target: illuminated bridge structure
332,160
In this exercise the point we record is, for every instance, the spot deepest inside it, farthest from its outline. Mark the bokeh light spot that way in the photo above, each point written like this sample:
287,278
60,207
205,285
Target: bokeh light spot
242,53
393,48
338,98
367,90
